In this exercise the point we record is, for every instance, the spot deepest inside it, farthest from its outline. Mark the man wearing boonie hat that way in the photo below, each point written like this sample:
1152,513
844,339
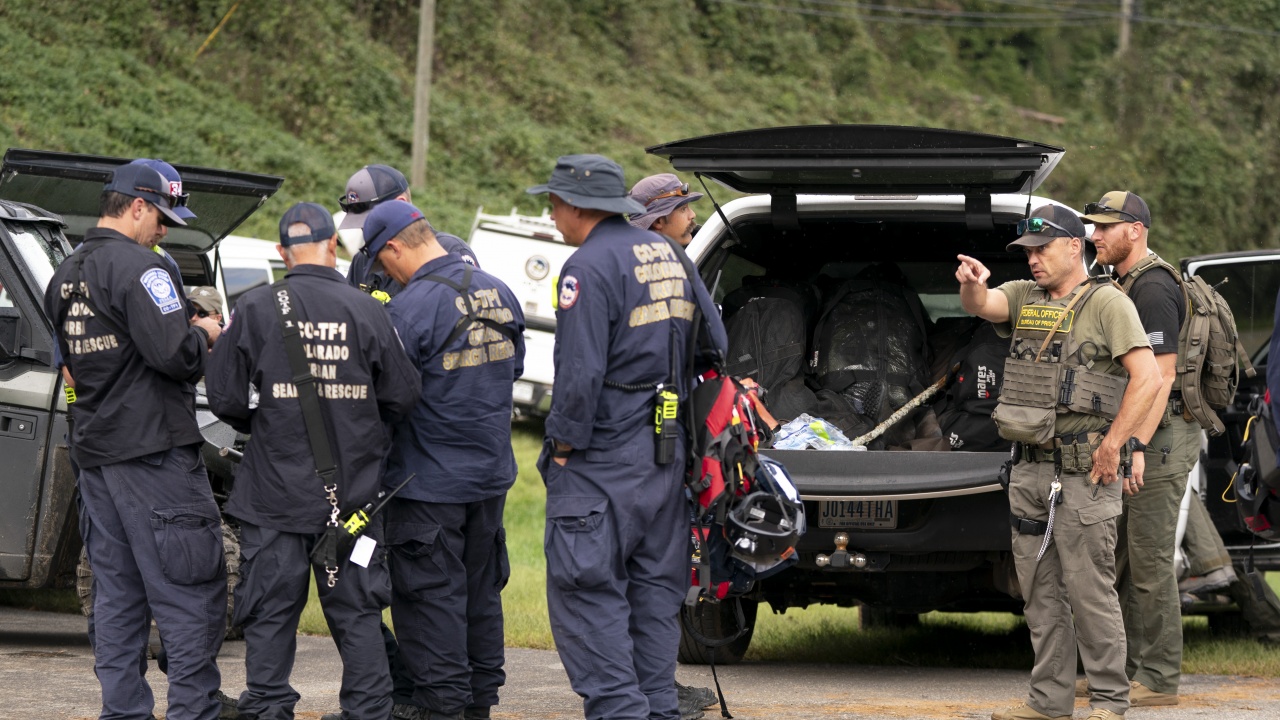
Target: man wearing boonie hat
667,207
1145,576
1063,494
363,381
625,309
369,187
464,331
149,519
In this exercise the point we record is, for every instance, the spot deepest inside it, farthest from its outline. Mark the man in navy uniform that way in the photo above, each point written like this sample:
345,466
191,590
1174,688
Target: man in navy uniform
369,187
363,380
617,535
464,331
153,530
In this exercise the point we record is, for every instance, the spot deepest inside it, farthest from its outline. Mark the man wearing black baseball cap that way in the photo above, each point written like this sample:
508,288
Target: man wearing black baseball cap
625,310
1071,429
149,520
369,187
361,380
1170,446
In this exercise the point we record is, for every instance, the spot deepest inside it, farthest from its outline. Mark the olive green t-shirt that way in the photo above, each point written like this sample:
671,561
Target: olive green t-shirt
1107,321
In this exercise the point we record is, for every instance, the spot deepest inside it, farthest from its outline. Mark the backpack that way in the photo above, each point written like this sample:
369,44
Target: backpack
1211,354
767,335
1257,480
870,346
964,414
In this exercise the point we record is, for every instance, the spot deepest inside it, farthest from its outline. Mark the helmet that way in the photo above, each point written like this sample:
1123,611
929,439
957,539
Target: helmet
763,527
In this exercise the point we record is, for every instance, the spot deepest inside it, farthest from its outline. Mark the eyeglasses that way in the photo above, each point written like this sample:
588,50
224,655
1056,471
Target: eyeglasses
678,192
1100,208
1037,224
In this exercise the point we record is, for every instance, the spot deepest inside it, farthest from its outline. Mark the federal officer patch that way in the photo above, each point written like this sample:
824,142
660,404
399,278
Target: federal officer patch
568,291
1043,317
160,287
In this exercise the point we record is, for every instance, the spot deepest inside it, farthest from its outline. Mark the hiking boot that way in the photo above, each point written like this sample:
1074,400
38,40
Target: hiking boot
405,711
227,709
1024,712
1210,581
698,697
1142,696
475,713
1082,687
1101,714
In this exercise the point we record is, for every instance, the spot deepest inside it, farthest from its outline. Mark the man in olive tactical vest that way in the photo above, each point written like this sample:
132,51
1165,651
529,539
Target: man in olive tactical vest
1170,442
1070,410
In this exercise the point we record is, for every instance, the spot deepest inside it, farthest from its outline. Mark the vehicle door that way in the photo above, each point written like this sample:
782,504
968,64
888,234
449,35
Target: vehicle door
30,249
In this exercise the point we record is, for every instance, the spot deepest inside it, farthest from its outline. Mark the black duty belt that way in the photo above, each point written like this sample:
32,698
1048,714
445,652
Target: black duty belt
1025,526
1046,452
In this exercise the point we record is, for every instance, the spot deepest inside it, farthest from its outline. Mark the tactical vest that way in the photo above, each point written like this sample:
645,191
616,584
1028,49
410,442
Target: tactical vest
1048,372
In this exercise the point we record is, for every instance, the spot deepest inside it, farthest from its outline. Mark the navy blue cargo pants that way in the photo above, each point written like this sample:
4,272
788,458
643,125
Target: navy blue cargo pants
275,576
155,543
448,568
617,547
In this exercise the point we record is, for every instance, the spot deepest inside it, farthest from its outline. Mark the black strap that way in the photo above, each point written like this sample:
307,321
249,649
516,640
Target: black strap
470,318
1025,526
78,259
289,313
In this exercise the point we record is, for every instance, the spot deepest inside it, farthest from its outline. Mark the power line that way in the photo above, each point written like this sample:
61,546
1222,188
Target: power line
1056,15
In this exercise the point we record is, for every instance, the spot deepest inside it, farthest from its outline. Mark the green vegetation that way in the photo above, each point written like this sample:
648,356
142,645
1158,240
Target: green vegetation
312,90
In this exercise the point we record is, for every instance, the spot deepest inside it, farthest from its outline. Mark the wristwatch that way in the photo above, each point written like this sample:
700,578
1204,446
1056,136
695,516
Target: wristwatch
1136,445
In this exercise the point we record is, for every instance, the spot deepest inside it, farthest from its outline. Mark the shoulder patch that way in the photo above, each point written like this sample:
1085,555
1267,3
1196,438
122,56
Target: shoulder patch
569,289
160,287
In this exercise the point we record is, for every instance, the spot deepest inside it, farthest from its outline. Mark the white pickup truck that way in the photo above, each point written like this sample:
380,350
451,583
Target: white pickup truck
526,253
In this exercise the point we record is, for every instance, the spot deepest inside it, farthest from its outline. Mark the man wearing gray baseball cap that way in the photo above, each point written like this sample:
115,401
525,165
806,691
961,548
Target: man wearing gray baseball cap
625,308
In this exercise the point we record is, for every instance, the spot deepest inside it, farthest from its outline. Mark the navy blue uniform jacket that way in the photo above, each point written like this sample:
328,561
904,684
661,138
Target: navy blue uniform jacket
458,436
364,377
135,393
623,301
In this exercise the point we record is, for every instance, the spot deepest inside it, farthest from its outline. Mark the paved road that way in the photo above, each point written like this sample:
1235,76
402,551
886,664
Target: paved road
46,671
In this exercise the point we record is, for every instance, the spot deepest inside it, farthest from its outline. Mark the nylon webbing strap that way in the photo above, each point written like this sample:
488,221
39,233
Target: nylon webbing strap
470,317
308,393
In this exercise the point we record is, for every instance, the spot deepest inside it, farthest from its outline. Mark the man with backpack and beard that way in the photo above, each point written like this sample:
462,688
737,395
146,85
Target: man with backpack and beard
1169,441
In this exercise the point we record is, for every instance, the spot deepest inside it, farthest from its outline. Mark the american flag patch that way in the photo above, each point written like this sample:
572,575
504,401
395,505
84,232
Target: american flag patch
1156,338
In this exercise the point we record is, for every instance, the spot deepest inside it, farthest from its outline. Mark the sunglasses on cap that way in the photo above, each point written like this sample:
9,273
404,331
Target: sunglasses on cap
680,191
179,200
362,206
1037,224
1097,208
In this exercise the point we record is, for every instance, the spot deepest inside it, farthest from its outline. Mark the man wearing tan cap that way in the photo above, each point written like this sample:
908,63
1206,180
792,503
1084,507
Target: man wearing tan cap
1170,443
207,302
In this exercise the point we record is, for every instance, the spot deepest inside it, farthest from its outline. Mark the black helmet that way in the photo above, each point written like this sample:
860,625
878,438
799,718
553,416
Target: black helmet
763,527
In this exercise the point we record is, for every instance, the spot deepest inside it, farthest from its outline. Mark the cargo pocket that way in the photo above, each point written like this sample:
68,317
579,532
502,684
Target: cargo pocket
189,542
500,555
417,570
579,541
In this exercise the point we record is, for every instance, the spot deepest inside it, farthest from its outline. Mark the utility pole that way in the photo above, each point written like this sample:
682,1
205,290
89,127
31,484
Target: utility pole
422,93
1126,11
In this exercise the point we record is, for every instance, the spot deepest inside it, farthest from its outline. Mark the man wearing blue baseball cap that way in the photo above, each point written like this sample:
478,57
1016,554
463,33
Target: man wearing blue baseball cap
624,326
288,499
149,520
464,331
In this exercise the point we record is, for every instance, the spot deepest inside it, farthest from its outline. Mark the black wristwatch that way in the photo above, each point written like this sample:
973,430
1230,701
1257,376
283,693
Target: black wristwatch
1136,445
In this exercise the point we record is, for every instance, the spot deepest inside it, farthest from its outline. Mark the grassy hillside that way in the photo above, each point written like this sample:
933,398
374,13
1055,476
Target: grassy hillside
313,89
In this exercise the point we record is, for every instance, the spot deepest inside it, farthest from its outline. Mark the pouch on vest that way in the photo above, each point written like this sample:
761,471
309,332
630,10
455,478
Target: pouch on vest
1028,400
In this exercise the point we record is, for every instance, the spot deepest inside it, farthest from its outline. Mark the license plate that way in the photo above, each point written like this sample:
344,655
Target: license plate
872,514
522,391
